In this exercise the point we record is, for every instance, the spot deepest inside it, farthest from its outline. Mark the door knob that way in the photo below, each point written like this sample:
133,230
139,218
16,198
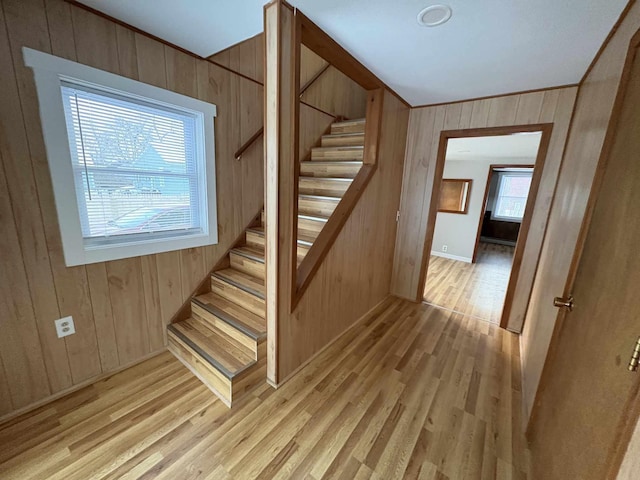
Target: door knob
564,302
635,357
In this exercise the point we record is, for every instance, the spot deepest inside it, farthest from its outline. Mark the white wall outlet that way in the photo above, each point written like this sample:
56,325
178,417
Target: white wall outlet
444,248
65,327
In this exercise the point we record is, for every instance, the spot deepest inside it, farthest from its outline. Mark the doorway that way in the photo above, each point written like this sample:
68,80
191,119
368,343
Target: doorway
487,184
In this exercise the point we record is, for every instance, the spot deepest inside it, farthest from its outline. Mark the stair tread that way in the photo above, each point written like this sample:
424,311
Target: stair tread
244,281
314,218
301,241
247,322
342,135
213,346
306,239
318,163
325,180
258,230
319,198
349,122
252,251
354,148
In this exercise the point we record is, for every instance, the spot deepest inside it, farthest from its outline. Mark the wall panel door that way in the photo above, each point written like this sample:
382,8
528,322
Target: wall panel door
587,398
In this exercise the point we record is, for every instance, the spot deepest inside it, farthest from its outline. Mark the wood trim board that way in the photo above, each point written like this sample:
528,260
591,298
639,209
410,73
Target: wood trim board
616,456
546,130
465,195
486,198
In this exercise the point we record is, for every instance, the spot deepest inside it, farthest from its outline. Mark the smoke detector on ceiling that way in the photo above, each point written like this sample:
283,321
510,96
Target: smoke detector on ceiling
434,15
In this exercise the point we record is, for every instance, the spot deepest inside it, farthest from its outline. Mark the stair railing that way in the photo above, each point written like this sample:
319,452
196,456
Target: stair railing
245,146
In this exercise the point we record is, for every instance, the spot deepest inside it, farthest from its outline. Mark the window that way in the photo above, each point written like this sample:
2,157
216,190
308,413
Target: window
132,165
511,196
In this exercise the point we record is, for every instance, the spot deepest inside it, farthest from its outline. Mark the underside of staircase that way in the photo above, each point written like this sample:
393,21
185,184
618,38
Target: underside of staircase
223,342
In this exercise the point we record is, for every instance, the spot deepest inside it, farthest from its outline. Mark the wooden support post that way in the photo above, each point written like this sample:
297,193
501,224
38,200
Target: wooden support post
282,84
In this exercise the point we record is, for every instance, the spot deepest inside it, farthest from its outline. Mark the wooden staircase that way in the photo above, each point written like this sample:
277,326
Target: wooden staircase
325,177
224,341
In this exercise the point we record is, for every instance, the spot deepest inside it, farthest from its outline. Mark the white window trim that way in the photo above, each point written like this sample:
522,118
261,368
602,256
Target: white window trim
497,197
49,71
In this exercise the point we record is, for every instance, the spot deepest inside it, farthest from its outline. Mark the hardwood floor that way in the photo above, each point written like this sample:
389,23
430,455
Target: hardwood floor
410,392
476,289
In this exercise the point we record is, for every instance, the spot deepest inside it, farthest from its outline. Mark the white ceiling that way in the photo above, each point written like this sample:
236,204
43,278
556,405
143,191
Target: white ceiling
203,27
489,47
517,146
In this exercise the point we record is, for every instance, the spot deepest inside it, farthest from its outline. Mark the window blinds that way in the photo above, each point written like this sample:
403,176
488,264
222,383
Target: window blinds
135,166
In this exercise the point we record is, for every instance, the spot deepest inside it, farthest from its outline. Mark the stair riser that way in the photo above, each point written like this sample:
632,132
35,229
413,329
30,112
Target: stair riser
339,154
338,141
212,378
259,239
254,376
247,265
312,207
237,335
337,170
319,186
310,226
239,296
254,239
357,127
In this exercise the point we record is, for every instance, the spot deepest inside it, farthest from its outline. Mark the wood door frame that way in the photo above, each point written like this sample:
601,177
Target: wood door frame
492,167
546,130
628,423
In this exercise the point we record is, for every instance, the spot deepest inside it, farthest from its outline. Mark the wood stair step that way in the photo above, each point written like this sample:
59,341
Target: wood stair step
241,288
343,140
348,126
256,236
234,320
248,259
310,226
247,282
211,354
319,154
333,169
330,187
316,205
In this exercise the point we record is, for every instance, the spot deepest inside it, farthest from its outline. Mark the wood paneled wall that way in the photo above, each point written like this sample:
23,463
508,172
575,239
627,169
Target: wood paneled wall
356,273
425,125
120,308
333,92
583,151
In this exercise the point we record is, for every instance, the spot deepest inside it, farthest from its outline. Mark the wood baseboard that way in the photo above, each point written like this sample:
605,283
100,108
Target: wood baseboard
74,388
435,253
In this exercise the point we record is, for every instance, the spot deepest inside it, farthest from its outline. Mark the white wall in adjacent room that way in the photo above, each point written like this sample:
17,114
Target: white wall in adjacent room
458,231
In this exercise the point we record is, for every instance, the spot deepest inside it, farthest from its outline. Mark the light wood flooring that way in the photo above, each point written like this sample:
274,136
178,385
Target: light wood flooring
476,289
411,392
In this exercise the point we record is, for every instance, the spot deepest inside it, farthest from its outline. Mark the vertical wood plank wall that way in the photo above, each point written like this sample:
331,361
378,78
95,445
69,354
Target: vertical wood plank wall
584,147
120,308
425,124
332,92
356,273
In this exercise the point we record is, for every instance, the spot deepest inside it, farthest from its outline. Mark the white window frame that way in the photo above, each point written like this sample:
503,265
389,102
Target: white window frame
501,218
49,72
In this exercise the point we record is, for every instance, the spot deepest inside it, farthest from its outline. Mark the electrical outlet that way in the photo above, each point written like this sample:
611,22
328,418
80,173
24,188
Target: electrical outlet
65,327
444,248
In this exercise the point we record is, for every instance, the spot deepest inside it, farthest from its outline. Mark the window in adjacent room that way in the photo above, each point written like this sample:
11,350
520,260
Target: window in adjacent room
511,197
132,165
